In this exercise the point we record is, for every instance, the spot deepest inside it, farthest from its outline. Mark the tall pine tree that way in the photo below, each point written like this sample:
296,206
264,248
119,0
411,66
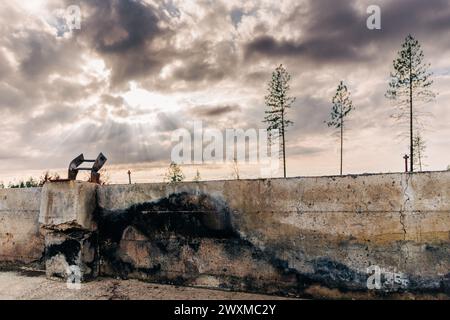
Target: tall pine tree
278,101
409,85
342,105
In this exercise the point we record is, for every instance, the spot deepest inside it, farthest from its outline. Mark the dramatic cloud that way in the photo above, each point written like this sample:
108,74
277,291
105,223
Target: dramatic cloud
139,69
124,34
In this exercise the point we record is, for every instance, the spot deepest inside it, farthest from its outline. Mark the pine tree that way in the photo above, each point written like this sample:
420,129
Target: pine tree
30,183
410,84
174,173
342,106
278,101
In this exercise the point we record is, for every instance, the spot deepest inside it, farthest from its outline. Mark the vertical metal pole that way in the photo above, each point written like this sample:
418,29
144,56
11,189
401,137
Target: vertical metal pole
129,177
406,157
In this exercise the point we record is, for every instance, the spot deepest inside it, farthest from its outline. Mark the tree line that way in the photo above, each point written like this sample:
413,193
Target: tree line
409,85
31,182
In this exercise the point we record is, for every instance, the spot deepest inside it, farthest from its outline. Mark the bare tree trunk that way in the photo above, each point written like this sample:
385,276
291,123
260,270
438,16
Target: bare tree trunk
419,152
284,142
420,161
411,147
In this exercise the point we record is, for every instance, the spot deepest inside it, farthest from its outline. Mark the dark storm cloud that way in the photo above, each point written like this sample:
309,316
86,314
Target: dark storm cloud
136,40
318,50
38,53
214,111
134,23
35,64
415,16
329,35
122,32
335,30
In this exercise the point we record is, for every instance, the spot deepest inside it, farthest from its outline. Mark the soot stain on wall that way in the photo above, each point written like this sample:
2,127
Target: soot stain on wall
181,218
184,214
70,249
77,247
185,219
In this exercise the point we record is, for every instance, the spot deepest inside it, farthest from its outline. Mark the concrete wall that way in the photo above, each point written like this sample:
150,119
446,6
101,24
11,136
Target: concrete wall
20,240
312,237
299,236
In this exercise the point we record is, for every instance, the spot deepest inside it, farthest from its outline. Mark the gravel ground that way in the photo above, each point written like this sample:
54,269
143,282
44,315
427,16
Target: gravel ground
33,285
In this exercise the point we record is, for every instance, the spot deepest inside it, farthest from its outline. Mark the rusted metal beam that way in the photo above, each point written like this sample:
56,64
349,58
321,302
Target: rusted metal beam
95,175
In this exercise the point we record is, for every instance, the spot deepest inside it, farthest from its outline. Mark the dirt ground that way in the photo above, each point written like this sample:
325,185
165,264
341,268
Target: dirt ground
31,286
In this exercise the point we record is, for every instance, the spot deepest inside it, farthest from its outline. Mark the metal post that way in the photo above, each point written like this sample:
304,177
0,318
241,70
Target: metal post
406,157
129,176
74,167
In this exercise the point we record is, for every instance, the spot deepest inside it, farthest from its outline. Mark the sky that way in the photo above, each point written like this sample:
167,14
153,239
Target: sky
136,71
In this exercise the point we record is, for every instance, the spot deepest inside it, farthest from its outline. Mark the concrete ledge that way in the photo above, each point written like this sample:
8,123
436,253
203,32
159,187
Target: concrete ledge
296,236
68,204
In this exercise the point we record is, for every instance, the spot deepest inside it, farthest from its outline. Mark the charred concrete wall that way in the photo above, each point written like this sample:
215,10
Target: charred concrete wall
307,236
67,223
353,236
20,239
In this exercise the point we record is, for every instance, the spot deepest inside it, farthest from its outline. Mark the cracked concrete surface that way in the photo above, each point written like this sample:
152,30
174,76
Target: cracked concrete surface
282,235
